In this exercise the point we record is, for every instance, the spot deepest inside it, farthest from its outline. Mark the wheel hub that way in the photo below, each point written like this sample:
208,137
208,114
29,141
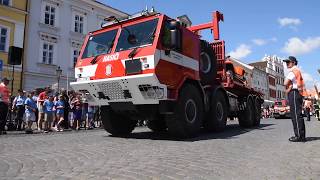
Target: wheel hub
190,111
205,63
219,111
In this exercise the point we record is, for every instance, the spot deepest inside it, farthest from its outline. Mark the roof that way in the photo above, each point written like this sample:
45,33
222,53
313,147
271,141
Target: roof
241,63
262,64
114,10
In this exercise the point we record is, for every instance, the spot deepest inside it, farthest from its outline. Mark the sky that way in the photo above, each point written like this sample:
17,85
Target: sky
251,28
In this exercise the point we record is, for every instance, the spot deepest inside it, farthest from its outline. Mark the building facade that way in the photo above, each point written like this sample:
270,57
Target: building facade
275,67
56,32
271,79
260,82
13,14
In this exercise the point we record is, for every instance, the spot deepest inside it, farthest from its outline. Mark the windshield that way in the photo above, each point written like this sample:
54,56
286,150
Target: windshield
278,103
143,33
99,44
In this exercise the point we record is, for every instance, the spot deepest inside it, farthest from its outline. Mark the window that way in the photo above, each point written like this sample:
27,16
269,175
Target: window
50,15
78,23
141,34
47,53
75,54
101,43
4,33
5,2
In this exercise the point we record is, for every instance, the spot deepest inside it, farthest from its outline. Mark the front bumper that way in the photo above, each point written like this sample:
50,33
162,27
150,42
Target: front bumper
281,114
137,89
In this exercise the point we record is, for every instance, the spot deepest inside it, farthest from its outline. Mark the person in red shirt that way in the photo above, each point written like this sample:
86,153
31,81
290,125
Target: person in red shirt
41,98
4,104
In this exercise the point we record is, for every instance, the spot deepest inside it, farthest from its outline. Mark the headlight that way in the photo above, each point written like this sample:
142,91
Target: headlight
151,92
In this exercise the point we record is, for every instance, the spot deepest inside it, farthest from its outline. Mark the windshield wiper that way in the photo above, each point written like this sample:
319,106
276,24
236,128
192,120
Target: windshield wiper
133,52
94,60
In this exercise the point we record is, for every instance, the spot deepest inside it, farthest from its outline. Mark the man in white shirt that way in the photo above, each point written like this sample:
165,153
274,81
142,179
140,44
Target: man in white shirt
295,89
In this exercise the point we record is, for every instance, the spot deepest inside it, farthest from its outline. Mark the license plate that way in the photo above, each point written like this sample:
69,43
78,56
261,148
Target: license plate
133,66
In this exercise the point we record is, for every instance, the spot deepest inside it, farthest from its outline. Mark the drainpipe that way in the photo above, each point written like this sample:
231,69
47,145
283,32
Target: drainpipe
24,44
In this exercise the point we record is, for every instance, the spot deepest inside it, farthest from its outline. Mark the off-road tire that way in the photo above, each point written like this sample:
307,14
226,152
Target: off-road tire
257,106
207,64
115,123
216,118
186,120
246,117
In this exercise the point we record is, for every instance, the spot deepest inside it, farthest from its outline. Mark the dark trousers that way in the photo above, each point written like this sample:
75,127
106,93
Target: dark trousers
65,123
295,102
3,115
18,120
308,114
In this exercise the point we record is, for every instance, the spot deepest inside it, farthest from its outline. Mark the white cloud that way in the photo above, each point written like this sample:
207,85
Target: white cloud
289,21
297,46
242,51
259,42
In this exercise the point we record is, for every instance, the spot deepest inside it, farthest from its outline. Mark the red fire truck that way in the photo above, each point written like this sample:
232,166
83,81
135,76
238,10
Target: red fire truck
152,67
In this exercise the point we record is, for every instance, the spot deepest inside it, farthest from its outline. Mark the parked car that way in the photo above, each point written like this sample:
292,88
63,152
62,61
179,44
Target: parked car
281,109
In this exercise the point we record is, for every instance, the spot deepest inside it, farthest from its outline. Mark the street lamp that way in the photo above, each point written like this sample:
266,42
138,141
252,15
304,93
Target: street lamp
58,73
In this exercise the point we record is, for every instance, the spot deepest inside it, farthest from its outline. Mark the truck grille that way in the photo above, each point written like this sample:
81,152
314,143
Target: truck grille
112,90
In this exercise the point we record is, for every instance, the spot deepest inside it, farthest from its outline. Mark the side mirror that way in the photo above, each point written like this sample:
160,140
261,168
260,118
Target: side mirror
175,35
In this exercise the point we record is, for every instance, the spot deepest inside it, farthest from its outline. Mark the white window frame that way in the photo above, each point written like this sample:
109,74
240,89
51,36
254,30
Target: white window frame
6,48
56,14
84,23
54,52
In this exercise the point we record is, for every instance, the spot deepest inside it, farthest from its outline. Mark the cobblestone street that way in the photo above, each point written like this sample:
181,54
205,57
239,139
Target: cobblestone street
263,153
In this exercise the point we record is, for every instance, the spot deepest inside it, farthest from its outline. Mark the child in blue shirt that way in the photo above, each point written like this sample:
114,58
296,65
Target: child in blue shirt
30,109
48,108
59,106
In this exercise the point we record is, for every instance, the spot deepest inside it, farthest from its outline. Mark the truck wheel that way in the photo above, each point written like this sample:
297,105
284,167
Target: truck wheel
116,124
257,106
157,124
216,119
207,64
187,118
246,117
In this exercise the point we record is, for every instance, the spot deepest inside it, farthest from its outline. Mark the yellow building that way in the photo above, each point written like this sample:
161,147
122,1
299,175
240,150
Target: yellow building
13,14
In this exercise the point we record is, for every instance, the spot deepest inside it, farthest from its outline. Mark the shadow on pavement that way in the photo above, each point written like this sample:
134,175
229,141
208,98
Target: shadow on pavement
231,131
312,138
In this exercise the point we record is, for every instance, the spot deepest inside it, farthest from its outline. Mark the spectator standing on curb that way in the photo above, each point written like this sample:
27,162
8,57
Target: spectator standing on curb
48,113
84,110
295,90
35,99
59,112
18,106
89,119
41,98
30,110
66,110
308,107
77,106
4,104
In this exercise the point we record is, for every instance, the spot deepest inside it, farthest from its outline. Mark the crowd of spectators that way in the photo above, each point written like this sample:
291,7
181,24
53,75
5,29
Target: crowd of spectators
45,111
